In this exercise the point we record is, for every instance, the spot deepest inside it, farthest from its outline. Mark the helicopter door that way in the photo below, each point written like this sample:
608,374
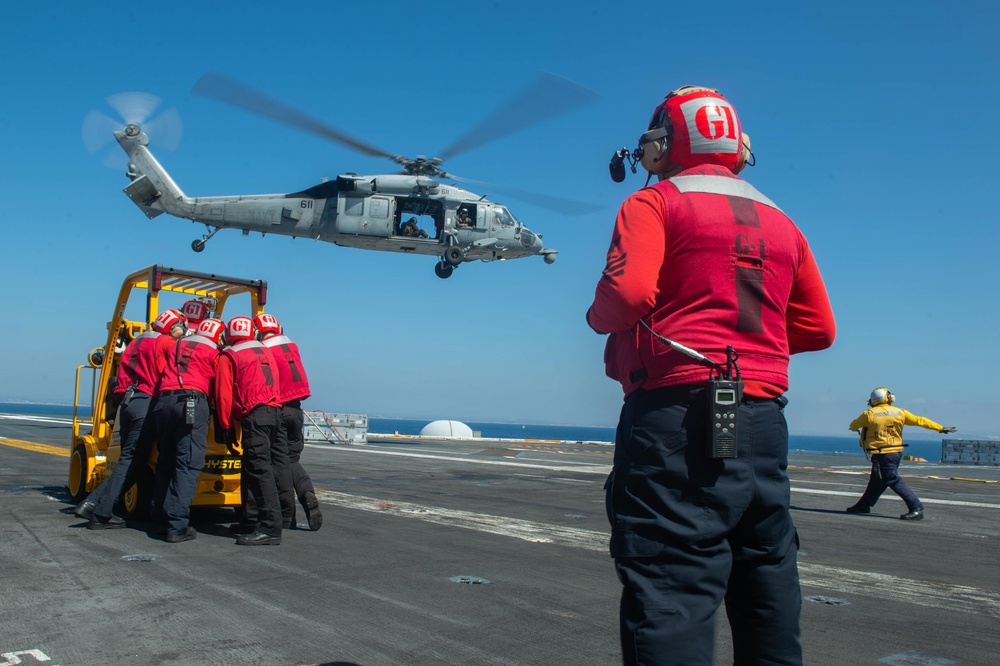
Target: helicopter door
364,215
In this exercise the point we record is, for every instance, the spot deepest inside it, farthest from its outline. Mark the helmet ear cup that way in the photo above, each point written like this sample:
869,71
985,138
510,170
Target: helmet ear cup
654,155
745,154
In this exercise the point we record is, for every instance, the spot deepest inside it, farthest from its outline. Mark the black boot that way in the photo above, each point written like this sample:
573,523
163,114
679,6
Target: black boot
85,509
187,535
105,522
258,539
311,506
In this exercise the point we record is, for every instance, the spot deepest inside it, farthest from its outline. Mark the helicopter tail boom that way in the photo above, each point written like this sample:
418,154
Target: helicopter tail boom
155,192
152,189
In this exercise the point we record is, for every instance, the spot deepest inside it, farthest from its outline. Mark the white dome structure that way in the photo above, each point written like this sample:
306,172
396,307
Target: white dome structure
446,429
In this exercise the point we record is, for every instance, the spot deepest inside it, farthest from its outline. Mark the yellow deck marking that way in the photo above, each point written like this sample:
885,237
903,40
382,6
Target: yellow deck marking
35,446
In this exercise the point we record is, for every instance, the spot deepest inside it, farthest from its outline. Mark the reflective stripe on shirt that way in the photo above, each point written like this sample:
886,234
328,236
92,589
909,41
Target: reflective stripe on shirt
732,187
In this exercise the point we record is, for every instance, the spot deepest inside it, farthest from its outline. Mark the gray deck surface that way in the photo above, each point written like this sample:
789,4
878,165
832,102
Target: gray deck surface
453,553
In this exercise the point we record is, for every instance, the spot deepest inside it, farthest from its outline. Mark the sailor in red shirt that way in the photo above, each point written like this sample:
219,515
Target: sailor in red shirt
247,390
703,261
294,389
182,413
136,384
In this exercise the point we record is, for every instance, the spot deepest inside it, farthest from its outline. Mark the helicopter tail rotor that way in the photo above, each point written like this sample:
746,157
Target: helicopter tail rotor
137,108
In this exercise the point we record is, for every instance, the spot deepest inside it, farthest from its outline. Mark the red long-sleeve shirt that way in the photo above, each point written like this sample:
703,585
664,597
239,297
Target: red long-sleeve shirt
708,262
143,361
245,376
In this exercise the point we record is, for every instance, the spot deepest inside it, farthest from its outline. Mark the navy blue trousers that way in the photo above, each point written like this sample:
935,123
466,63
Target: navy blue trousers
181,458
264,464
132,425
885,474
290,437
689,532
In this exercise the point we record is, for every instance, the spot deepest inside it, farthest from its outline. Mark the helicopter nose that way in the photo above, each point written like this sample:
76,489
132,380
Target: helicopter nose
530,240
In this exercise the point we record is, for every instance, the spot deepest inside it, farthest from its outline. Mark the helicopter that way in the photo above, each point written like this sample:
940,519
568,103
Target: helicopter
417,211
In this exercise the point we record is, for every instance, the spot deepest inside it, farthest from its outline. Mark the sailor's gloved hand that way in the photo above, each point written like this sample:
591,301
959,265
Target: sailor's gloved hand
947,429
229,437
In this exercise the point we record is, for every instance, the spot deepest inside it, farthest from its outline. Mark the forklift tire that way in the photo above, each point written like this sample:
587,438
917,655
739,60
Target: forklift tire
138,498
78,473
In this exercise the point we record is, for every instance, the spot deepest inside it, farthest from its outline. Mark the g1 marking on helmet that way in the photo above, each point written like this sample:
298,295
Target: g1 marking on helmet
240,328
267,323
211,329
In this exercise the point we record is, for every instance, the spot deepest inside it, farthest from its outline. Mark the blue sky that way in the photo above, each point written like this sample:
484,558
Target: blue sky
873,125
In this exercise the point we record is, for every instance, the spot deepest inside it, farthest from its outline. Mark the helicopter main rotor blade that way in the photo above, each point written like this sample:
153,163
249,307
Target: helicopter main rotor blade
547,201
547,97
224,89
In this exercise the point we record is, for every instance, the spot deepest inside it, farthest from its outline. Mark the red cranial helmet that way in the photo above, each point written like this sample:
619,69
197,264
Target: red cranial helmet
694,125
167,320
239,329
212,329
195,311
266,323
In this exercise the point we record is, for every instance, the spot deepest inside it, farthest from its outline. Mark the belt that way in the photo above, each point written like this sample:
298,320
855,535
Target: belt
679,393
690,393
183,392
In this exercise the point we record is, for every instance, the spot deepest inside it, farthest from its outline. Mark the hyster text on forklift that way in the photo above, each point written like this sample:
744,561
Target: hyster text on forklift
95,442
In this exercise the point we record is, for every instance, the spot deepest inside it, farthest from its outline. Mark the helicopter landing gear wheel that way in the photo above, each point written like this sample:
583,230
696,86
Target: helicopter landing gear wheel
443,270
199,244
454,255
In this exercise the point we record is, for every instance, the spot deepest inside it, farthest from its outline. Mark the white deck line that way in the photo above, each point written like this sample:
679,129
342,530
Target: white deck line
960,598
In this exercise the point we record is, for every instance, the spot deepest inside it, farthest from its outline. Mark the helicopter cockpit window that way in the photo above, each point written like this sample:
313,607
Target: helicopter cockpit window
502,217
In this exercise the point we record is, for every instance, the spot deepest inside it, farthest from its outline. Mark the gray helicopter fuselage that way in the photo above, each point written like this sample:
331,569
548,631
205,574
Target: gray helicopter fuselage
367,212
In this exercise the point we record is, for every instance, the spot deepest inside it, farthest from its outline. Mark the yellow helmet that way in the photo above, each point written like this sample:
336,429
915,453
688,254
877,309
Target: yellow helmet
881,395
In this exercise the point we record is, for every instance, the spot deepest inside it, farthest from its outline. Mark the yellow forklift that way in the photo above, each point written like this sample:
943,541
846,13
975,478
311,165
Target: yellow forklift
95,446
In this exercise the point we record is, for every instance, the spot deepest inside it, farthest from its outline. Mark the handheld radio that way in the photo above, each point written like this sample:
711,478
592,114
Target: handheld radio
190,403
723,393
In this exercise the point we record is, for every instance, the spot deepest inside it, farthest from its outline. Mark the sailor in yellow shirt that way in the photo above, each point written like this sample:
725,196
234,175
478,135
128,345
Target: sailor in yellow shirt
882,437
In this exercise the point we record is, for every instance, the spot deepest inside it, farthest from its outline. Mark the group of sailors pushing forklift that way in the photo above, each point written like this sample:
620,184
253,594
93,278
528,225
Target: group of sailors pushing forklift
169,377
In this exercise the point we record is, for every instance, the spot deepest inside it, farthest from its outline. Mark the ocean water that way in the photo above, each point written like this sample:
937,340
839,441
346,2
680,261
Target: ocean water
846,446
